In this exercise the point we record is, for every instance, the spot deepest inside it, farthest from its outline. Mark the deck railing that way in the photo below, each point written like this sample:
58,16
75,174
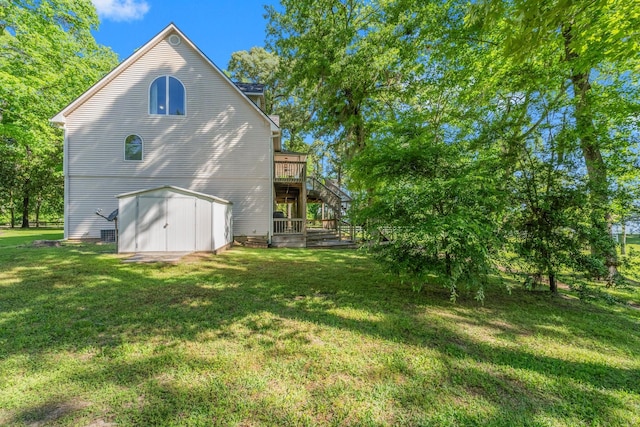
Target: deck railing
331,185
351,232
326,194
288,171
327,224
289,225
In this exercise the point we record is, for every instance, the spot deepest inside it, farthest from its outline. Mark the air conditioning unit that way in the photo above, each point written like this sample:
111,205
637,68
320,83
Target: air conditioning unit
108,236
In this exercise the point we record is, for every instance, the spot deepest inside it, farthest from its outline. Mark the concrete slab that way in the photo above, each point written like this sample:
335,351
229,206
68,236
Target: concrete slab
147,257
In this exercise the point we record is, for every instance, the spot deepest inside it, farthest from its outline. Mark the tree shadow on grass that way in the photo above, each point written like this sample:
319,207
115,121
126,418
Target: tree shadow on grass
78,299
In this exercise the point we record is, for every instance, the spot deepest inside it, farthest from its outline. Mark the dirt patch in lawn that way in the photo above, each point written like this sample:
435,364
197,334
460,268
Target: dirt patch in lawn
50,412
150,257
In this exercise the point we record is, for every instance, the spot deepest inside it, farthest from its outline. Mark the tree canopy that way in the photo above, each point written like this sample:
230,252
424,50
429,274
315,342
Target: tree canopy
475,130
48,58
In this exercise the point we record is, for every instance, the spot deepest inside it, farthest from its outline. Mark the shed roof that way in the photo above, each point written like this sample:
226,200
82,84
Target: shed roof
175,189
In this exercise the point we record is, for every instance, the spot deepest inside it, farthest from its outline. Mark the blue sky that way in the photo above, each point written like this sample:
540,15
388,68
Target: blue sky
218,28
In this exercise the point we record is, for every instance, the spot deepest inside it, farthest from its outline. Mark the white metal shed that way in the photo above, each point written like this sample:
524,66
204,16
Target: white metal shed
173,219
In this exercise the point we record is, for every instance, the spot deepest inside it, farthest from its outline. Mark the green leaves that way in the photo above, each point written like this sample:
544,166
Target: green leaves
473,131
333,57
48,58
430,206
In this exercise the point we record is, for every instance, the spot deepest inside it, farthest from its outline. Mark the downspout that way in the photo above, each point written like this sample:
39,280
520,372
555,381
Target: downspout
271,189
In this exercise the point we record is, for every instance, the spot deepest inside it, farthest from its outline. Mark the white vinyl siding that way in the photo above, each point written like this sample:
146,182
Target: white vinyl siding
222,147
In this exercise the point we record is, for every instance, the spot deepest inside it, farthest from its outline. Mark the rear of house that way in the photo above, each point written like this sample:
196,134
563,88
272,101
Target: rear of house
167,116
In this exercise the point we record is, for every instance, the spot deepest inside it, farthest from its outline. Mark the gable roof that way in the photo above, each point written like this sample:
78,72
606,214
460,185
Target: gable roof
60,118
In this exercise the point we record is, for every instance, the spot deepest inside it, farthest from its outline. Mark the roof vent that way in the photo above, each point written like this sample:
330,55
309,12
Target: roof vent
174,40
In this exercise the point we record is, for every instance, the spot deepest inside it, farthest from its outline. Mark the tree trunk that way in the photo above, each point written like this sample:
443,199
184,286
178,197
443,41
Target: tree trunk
25,212
25,205
623,240
610,251
12,209
553,285
448,264
596,168
38,203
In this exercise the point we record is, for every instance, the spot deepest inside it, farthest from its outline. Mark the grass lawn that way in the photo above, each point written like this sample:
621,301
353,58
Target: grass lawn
296,337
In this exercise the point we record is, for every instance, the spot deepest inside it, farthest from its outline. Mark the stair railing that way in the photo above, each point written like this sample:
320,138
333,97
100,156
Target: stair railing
337,199
326,194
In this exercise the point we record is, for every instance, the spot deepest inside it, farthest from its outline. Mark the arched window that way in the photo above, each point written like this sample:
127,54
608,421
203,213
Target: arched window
167,97
133,148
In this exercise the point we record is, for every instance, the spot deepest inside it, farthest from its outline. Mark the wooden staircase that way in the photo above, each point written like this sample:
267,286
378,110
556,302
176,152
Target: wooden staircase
338,201
331,194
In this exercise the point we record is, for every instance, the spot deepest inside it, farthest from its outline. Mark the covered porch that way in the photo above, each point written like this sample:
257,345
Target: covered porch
294,190
290,204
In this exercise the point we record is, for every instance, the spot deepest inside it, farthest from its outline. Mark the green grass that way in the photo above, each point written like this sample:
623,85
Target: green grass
297,337
15,237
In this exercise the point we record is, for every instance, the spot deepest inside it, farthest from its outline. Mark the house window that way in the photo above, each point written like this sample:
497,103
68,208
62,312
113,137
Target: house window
167,97
133,148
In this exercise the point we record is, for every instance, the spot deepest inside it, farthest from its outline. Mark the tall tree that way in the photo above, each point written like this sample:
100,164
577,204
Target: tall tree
461,137
48,57
327,58
585,38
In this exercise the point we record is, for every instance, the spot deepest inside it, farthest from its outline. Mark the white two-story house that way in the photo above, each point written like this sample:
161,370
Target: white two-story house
168,116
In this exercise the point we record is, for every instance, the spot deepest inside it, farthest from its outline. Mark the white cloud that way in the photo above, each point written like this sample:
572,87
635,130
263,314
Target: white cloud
121,10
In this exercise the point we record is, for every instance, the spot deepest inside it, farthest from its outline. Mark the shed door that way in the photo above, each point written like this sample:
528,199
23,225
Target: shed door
181,224
151,231
166,224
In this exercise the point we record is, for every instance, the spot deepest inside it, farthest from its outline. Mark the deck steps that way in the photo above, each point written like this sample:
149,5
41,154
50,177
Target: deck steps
327,239
254,242
288,241
332,244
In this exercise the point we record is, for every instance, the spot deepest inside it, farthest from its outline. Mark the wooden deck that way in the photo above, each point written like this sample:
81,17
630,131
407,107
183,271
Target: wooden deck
293,190
288,171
